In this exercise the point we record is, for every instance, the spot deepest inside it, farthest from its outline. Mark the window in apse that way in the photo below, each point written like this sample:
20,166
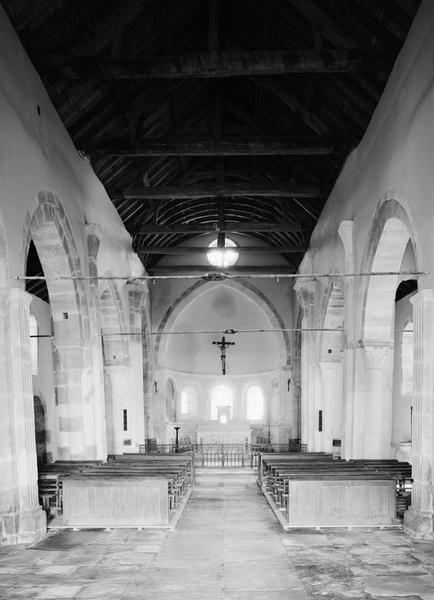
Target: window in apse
222,400
407,360
255,403
187,398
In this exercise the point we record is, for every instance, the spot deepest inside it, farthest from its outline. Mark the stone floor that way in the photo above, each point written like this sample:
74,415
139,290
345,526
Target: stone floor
227,546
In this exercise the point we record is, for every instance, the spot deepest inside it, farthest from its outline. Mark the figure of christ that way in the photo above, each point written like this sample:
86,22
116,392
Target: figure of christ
223,344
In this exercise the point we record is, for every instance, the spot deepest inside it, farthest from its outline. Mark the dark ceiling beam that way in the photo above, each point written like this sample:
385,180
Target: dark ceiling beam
95,38
294,103
228,190
216,64
229,227
240,114
204,250
333,32
247,146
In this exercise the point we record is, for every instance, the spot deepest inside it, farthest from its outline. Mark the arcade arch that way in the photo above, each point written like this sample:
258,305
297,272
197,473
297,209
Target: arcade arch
47,226
390,249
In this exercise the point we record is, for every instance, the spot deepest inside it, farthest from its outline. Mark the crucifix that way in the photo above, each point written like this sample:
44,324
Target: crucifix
223,345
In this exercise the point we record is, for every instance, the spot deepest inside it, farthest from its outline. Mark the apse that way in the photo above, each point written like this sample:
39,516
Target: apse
215,310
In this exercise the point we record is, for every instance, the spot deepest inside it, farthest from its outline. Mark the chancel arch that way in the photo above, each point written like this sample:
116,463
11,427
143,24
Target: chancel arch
188,348
257,298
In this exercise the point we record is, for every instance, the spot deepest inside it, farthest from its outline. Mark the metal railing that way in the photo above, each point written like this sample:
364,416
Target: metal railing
222,455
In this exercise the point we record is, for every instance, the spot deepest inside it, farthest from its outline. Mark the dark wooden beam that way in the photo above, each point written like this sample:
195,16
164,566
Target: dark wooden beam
205,249
216,64
289,99
247,146
229,227
228,190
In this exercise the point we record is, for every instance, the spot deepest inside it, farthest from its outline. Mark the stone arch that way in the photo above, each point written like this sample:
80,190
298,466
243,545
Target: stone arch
243,287
113,325
47,225
390,234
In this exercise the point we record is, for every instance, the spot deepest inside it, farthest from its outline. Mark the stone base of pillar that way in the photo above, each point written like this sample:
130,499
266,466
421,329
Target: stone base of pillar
32,526
419,525
8,528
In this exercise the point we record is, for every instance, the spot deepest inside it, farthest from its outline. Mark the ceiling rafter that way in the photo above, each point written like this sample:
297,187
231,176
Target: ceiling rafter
216,64
260,96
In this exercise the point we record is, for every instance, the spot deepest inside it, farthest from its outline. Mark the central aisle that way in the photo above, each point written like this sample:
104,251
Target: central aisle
227,545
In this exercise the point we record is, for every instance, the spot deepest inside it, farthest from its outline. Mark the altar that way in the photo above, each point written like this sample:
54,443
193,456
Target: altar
232,432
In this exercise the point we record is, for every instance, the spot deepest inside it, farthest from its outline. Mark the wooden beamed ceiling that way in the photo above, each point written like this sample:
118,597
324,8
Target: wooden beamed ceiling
202,116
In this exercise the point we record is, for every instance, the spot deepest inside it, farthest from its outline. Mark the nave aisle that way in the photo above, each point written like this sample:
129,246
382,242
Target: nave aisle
228,546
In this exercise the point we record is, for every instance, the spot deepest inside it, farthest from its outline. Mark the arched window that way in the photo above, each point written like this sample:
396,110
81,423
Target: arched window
222,401
407,360
33,331
255,403
187,399
222,257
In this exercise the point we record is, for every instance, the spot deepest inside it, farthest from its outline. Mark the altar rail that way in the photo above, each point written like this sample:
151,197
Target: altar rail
224,455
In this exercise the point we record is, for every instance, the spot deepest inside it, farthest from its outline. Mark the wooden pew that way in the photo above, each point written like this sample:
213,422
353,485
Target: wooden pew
130,492
320,492
50,481
267,459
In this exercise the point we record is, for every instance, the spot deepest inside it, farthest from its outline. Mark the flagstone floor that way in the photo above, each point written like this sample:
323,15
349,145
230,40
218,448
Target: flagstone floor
228,546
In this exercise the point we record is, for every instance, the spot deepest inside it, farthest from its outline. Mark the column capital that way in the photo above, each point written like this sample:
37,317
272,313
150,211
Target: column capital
93,229
377,353
305,287
20,296
424,295
139,290
93,235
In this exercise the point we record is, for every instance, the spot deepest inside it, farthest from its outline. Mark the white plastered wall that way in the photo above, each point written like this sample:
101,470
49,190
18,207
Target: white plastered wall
38,157
392,164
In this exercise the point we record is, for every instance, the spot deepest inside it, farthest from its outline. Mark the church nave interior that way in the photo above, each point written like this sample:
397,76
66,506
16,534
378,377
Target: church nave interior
216,299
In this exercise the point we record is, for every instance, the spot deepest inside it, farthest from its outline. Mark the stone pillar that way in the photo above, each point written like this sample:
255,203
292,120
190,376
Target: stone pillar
69,370
306,292
96,435
31,518
349,358
331,395
418,519
138,298
374,430
9,518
